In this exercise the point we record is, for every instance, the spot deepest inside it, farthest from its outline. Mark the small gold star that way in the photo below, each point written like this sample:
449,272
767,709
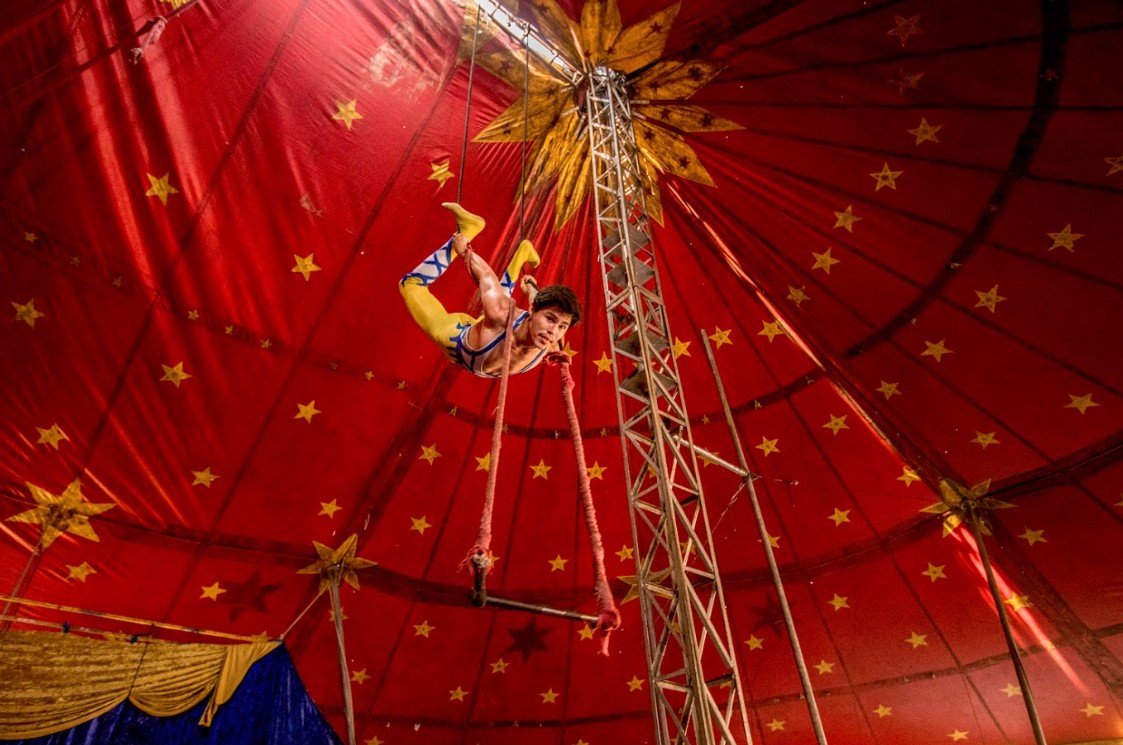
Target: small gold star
423,628
720,336
1065,239
401,385
985,439
905,28
305,266
557,564
307,411
925,132
935,349
51,436
204,477
420,524
329,508
908,476
989,299
768,446
681,348
359,676
266,343
1116,164
1034,536
30,236
836,423
883,711
569,351
838,602
369,375
1017,602
81,571
824,261
229,329
1081,403
625,553
635,684
440,173
212,592
429,453
797,295
776,725
839,517
457,695
825,667
373,741
174,375
771,330
754,642
541,471
917,640
193,315
1011,690
585,632
346,112
549,696
604,364
484,463
773,541
885,177
160,188
957,735
499,666
1092,711
596,471
846,218
888,390
934,572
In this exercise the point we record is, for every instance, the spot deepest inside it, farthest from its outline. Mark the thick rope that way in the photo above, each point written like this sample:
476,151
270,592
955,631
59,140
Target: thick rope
468,112
608,616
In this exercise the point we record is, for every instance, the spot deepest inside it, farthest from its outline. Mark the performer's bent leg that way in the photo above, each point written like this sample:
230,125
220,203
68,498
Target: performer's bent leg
524,254
428,312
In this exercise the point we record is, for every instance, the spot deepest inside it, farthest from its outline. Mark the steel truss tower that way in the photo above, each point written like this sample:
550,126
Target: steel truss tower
695,690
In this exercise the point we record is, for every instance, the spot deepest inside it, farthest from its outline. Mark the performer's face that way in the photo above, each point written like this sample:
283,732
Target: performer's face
547,327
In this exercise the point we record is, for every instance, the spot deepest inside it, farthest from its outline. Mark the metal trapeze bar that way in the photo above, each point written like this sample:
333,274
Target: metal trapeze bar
480,598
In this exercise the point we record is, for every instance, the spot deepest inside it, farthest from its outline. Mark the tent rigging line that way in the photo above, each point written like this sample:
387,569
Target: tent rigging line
468,112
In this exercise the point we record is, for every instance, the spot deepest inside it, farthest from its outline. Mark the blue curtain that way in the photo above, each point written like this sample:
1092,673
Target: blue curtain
270,707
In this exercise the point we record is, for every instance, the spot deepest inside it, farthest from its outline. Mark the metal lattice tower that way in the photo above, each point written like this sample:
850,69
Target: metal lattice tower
695,689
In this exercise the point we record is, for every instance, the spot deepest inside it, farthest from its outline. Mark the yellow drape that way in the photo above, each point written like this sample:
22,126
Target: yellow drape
52,682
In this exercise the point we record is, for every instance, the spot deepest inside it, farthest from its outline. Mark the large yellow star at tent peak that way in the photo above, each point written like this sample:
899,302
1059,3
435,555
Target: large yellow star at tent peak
65,513
341,559
659,90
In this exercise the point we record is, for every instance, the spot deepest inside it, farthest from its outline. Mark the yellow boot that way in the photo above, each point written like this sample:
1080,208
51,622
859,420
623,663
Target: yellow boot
524,254
467,224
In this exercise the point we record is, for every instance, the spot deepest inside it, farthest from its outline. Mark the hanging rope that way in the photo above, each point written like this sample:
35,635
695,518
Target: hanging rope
526,127
608,616
468,113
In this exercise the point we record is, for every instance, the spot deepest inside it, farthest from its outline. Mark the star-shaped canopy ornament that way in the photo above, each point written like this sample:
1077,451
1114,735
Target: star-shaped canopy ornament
65,513
959,504
338,563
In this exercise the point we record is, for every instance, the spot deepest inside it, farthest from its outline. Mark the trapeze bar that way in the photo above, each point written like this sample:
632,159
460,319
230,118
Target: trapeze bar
707,455
480,598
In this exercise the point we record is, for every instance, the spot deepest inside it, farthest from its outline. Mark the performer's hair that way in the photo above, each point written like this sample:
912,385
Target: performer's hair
560,297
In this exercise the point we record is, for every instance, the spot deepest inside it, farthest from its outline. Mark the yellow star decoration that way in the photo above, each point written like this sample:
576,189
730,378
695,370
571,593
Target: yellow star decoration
681,348
604,364
838,602
307,411
557,564
346,112
883,711
51,436
229,329
985,439
1092,711
484,463
457,695
204,477
653,578
824,261
541,471
905,28
659,92
429,453
1065,239
773,541
836,423
776,725
1081,403
420,524
771,330
1116,164
342,613
958,502
596,471
1017,602
64,513
81,571
925,132
549,696
585,632
908,476
768,446
30,236
373,741
339,561
825,667
1034,536
635,684
846,219
1011,690
27,312
934,572
839,517
888,390
917,640
797,294
754,642
305,266
499,666
359,676
569,351
329,508
192,315
936,349
720,336
885,177
625,553
423,629
989,299
440,173
907,82
212,592
266,344
957,735
174,375
160,188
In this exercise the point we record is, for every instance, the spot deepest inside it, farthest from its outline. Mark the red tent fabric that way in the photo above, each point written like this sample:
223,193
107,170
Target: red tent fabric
894,220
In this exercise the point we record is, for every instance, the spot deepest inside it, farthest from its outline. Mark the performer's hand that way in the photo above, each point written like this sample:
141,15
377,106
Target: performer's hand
529,287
